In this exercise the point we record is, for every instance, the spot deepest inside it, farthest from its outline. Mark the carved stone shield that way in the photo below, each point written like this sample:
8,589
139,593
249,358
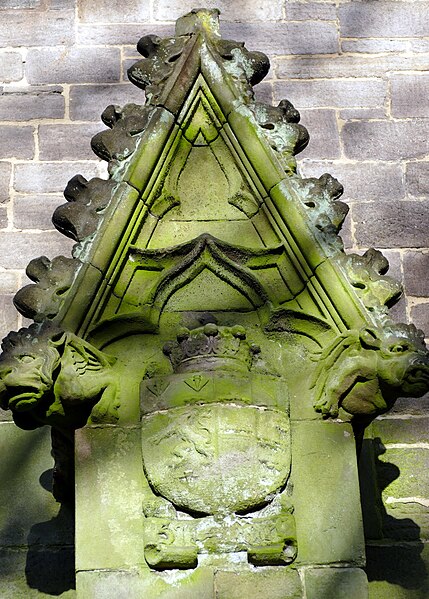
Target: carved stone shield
216,458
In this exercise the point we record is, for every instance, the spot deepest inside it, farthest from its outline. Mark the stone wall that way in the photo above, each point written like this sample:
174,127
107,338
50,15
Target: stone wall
356,72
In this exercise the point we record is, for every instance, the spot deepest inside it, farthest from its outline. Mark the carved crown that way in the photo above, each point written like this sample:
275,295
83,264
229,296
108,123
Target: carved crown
211,348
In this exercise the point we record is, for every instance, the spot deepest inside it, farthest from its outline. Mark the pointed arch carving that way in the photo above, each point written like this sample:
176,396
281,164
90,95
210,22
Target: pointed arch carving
188,260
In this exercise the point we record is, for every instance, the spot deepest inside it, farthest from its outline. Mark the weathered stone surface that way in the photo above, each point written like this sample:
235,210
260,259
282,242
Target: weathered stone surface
325,138
419,45
393,224
167,10
417,178
335,583
323,536
35,211
5,415
120,33
5,174
275,584
310,67
90,11
279,39
27,465
383,140
49,177
376,45
408,405
44,28
331,93
398,571
17,142
302,11
8,314
3,217
109,482
264,93
408,521
410,95
11,68
349,114
382,19
9,281
380,181
17,249
71,142
20,4
38,572
128,585
416,268
74,65
32,103
393,430
420,315
87,102
403,472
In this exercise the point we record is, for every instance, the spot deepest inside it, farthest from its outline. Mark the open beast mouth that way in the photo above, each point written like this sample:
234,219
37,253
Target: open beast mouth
24,397
417,377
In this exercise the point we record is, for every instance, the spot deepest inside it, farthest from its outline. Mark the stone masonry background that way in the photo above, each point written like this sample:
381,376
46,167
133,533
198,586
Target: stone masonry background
357,72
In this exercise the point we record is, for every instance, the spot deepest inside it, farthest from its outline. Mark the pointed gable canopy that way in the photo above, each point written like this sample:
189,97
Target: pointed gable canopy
204,210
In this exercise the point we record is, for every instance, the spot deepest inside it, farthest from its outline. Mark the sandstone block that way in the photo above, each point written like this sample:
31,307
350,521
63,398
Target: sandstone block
394,224
383,19
380,181
124,34
336,583
403,472
48,177
104,11
310,37
17,142
410,95
332,93
271,10
17,249
375,45
25,104
310,67
35,211
392,430
324,135
416,269
5,173
73,65
417,178
317,525
8,314
10,66
383,140
71,142
302,11
37,28
87,102
398,570
414,406
275,583
420,316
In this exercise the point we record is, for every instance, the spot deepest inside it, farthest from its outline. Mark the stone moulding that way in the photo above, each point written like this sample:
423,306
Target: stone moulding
206,233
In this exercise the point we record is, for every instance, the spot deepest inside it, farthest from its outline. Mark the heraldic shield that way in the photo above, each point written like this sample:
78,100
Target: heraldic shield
216,453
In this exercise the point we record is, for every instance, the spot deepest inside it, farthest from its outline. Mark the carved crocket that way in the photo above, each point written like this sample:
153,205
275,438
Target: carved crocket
364,372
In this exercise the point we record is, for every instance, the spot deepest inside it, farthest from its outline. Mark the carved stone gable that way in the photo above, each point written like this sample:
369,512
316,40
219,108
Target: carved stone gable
210,345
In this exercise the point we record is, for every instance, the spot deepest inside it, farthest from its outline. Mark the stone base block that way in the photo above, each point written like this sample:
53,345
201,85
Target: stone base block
335,583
